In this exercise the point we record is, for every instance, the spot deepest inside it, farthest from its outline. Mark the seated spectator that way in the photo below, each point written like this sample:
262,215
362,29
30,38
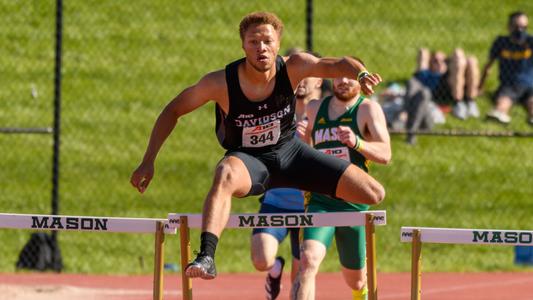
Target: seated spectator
514,54
440,81
451,80
392,103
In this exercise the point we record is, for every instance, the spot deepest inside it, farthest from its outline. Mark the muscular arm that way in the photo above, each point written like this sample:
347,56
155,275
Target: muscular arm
210,87
303,65
372,124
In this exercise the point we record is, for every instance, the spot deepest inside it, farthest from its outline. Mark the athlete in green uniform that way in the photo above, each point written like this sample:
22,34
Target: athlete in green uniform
353,128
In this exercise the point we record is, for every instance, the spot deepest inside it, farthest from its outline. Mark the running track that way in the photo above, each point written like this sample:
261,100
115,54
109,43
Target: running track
435,286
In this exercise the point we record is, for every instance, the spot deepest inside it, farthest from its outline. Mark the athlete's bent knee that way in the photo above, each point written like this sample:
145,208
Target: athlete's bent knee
261,264
379,194
309,262
227,175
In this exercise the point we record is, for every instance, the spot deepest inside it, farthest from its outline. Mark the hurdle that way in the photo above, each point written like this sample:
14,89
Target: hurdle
419,235
369,219
159,227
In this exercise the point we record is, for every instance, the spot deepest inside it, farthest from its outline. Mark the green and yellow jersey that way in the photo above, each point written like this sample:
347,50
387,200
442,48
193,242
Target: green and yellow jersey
324,137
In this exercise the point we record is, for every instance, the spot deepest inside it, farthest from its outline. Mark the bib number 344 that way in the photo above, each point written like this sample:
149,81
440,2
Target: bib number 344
261,135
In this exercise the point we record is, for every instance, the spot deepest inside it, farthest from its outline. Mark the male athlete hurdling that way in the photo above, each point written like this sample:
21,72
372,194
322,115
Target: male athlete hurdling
255,105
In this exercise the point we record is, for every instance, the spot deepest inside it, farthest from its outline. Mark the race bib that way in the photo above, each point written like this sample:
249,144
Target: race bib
261,135
339,152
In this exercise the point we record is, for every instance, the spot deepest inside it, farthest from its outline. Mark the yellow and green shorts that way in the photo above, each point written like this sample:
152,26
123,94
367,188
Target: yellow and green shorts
350,240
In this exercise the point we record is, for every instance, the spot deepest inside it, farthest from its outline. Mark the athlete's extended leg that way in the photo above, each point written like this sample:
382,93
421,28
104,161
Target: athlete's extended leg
356,280
231,179
311,256
264,249
352,255
356,186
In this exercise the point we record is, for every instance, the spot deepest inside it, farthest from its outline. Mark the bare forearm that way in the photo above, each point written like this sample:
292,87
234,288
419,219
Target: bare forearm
163,127
342,67
379,152
349,67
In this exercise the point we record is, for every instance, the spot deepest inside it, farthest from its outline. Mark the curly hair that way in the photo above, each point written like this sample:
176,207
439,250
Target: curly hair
259,18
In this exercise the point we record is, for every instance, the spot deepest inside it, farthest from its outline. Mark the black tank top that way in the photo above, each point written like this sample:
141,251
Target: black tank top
263,125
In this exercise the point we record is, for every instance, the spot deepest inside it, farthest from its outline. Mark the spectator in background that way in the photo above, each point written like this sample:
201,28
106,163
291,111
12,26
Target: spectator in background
515,56
451,80
443,81
265,241
392,103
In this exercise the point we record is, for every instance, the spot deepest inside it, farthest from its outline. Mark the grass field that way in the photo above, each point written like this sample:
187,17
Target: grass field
123,61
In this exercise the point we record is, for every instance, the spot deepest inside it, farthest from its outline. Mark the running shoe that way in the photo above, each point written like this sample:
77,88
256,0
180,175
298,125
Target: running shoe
203,266
273,284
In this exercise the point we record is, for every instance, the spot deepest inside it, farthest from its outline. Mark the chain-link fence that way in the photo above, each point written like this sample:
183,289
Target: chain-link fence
122,62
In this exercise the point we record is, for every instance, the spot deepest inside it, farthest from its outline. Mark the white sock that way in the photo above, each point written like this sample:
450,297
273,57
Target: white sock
275,271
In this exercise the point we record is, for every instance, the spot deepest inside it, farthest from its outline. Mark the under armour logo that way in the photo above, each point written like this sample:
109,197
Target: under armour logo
260,107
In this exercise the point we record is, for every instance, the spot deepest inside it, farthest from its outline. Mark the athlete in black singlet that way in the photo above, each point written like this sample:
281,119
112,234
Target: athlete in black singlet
254,99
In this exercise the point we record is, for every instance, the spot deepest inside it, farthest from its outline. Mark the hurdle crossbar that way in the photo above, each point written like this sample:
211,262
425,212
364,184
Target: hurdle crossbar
419,235
99,224
292,220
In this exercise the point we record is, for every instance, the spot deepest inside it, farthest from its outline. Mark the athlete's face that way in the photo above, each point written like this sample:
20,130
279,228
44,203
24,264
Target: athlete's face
261,46
307,86
345,89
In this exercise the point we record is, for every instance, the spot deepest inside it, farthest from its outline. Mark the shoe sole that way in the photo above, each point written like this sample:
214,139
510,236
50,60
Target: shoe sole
495,119
198,272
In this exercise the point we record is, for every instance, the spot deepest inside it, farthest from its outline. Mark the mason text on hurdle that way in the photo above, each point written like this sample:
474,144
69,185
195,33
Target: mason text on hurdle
73,223
499,237
275,220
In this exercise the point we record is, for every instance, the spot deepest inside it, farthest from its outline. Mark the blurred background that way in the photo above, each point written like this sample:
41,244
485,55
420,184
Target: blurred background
122,61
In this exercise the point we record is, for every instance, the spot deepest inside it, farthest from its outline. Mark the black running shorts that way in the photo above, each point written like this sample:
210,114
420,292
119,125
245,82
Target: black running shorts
294,165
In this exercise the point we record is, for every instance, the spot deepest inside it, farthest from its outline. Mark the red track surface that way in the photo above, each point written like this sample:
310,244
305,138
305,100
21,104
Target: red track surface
435,286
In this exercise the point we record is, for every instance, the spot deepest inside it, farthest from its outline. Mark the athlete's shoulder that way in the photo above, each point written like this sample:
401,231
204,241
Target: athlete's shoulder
369,107
369,104
212,86
314,105
369,110
215,79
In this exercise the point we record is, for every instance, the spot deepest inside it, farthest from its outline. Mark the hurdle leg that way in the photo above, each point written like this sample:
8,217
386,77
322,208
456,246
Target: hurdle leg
371,271
416,265
185,249
158,260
